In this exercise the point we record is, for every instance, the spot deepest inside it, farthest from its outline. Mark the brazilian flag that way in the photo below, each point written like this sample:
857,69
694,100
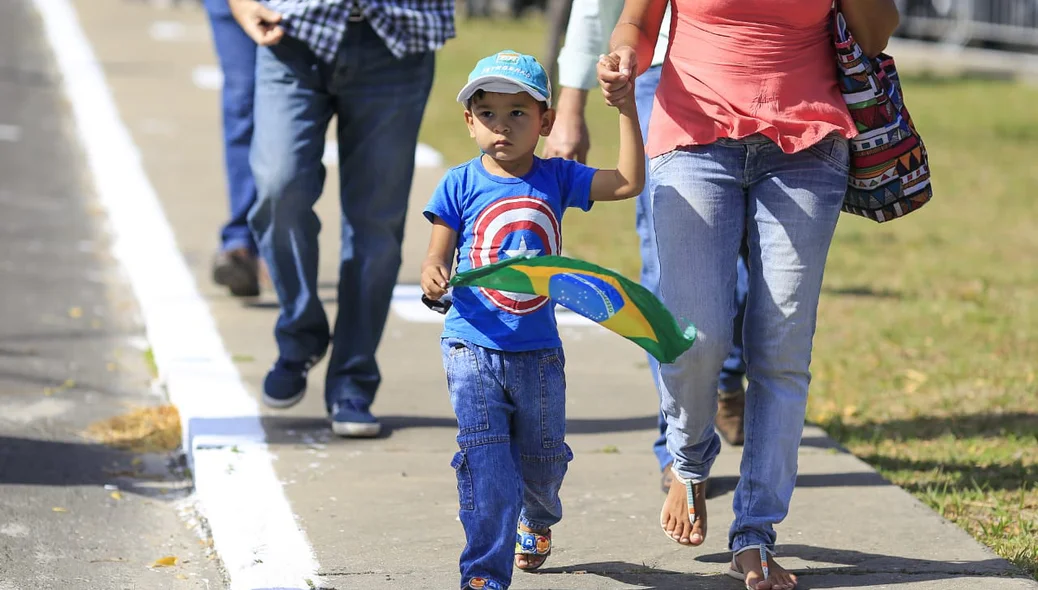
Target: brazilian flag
599,294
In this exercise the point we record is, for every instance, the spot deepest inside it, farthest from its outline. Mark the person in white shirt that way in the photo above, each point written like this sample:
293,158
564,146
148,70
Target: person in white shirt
587,37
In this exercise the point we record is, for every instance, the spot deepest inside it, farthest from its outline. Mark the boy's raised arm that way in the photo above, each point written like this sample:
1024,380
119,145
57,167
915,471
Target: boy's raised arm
628,179
436,268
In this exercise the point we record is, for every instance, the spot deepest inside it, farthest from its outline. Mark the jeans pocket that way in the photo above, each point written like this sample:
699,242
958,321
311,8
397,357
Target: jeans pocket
834,151
466,387
466,496
553,399
655,163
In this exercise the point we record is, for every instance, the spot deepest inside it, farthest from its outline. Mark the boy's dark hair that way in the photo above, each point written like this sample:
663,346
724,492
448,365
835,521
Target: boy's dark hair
481,93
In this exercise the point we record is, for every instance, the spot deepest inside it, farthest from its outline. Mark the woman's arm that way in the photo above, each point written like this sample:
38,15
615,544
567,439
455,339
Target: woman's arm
639,29
871,22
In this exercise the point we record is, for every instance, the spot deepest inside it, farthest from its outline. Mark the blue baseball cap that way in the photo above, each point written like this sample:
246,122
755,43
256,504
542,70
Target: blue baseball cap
508,72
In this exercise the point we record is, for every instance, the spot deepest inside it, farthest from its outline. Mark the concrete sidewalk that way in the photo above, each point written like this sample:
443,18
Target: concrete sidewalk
382,513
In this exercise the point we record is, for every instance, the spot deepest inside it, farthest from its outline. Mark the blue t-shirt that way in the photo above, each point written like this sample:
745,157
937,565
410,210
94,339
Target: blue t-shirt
498,218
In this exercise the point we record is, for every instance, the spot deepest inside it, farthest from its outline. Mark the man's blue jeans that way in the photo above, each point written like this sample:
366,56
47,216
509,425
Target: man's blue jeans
511,410
734,368
705,199
378,101
236,53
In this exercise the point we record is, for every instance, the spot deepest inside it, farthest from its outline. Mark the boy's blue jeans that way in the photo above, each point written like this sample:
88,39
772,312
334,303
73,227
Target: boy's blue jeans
511,410
378,101
236,53
734,368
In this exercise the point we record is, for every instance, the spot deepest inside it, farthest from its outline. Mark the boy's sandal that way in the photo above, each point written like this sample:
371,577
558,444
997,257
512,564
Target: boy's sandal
533,545
482,584
734,572
692,492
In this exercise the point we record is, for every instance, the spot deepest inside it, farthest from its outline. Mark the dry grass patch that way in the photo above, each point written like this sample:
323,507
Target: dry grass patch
154,429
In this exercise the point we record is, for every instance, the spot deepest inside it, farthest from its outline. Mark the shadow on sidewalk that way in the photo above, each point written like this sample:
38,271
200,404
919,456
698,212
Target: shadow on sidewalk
640,575
725,484
867,570
289,429
34,462
858,569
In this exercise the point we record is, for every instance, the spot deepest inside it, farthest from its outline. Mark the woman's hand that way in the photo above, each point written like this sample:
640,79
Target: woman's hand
616,73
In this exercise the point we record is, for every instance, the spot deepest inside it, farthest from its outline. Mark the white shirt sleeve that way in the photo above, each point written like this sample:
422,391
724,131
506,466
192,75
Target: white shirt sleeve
591,23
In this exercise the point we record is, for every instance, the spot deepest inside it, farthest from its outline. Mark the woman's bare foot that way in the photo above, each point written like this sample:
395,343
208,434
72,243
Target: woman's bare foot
675,517
748,562
528,562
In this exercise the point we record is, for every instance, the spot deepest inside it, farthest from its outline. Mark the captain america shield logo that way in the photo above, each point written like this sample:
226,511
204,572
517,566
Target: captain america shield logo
516,226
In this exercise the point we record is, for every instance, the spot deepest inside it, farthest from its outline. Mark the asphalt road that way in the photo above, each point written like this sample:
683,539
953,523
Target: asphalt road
73,514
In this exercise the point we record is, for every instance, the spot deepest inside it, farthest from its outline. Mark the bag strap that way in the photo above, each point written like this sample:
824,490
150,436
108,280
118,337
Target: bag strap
839,24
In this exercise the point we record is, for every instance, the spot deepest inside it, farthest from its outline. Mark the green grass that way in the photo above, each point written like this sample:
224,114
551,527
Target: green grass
926,356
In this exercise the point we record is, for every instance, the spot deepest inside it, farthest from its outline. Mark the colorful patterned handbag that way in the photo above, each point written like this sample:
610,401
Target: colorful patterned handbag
890,173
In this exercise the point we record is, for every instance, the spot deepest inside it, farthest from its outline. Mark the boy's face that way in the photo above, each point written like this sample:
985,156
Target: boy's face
507,126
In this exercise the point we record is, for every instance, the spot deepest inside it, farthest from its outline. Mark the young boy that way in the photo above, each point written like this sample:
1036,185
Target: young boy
501,350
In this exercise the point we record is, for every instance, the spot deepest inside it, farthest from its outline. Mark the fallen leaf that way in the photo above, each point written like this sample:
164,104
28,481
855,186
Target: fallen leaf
169,560
180,577
116,495
75,312
59,509
110,367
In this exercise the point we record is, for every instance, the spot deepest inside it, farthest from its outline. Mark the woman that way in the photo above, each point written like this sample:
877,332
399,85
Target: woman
748,136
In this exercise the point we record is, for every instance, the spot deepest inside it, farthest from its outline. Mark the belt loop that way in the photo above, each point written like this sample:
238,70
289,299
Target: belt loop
355,15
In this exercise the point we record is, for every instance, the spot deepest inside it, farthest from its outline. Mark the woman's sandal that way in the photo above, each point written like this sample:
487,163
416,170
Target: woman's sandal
734,572
533,545
690,489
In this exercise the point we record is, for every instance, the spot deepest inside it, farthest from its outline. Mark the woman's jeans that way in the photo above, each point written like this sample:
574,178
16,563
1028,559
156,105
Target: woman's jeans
733,369
704,199
511,410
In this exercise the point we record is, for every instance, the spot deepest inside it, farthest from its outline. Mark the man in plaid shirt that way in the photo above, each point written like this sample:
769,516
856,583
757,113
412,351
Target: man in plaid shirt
369,63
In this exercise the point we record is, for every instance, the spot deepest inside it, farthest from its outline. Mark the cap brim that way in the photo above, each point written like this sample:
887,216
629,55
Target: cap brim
498,84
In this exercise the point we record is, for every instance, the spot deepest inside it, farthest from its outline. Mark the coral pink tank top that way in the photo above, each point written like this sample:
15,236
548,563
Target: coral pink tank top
739,67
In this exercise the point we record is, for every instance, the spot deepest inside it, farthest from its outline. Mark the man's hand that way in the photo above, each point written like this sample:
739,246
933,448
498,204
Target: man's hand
569,137
435,277
616,73
259,22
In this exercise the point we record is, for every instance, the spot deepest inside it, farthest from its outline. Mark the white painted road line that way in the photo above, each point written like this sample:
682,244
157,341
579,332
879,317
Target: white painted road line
424,156
207,77
171,31
254,530
407,303
11,133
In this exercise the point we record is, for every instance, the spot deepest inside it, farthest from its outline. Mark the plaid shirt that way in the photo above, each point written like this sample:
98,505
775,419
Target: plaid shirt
406,26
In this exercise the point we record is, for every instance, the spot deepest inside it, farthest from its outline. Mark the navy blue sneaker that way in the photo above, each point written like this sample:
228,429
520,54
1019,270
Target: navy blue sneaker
285,383
353,421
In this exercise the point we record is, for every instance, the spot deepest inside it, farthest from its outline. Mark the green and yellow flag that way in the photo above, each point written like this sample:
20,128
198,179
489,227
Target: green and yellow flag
597,293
